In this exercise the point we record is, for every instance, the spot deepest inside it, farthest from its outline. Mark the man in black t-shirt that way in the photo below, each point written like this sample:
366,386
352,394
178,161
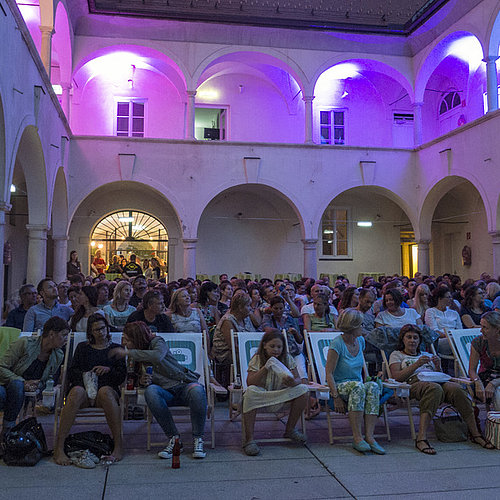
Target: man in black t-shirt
132,269
140,287
153,313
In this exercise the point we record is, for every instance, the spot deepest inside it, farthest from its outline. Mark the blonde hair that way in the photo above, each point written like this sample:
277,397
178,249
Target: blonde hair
174,300
117,292
349,319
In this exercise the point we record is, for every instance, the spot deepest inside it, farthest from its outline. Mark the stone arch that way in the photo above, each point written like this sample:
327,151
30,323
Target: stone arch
371,64
62,46
493,32
380,190
454,214
114,196
30,157
161,62
250,56
249,227
449,44
280,191
380,245
435,193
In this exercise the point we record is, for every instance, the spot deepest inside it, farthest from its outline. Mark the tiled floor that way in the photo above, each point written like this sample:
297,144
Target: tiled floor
282,471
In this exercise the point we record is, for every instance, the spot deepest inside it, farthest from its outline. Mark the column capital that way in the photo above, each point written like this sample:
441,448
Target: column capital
37,231
310,243
191,93
189,241
308,98
47,30
495,237
60,238
491,59
418,104
5,207
423,242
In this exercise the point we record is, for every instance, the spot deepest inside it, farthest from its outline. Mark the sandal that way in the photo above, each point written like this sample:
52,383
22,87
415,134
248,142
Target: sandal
481,441
81,459
313,410
428,449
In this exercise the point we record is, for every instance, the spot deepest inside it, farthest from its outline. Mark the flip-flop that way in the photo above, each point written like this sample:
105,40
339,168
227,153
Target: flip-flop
427,450
108,459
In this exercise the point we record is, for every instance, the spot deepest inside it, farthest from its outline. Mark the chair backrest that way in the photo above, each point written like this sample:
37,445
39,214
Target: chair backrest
317,345
460,342
188,350
247,344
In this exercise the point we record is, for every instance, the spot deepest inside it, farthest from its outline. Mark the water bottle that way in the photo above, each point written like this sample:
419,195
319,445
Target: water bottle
49,394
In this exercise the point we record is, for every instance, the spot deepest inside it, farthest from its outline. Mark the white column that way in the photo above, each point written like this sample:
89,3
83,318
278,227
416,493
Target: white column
37,253
46,47
4,208
423,257
492,82
189,257
66,99
308,117
310,258
417,123
60,258
191,94
495,239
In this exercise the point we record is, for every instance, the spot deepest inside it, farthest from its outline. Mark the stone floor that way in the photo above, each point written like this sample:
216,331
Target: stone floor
282,471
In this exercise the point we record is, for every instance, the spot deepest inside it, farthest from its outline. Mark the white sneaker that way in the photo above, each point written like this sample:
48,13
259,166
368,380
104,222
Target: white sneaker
198,451
167,451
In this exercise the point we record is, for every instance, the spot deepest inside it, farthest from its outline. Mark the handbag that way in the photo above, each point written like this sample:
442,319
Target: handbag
450,428
96,442
25,444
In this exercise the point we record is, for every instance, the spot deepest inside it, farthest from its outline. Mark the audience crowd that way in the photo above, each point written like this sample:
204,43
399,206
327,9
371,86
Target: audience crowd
139,302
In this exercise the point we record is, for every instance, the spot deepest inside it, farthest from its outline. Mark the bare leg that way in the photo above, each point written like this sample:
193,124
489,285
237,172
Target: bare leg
249,422
107,399
356,421
297,407
425,420
370,421
77,398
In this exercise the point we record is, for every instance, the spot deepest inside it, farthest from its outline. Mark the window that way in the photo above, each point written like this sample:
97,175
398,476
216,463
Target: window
449,101
130,118
335,232
403,118
332,126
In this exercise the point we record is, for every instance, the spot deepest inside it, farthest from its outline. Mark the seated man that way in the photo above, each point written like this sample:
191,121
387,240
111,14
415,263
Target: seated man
49,306
27,365
316,290
153,313
140,287
27,294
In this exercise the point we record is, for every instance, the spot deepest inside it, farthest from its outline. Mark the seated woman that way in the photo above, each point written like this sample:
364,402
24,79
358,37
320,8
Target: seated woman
184,317
226,294
485,352
343,371
209,298
350,298
87,305
441,318
93,356
119,310
266,389
393,314
472,307
169,385
26,366
237,319
405,363
321,320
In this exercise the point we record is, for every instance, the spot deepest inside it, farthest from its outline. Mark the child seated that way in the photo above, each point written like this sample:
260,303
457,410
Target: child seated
270,385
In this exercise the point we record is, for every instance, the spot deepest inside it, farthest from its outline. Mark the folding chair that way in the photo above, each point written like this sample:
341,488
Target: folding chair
460,342
190,349
84,415
317,346
244,345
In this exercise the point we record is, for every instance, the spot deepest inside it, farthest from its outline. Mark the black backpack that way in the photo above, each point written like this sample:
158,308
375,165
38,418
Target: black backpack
25,444
96,442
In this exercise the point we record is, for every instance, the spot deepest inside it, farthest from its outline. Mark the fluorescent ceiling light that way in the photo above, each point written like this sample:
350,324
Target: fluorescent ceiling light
364,224
328,231
137,227
126,219
12,188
